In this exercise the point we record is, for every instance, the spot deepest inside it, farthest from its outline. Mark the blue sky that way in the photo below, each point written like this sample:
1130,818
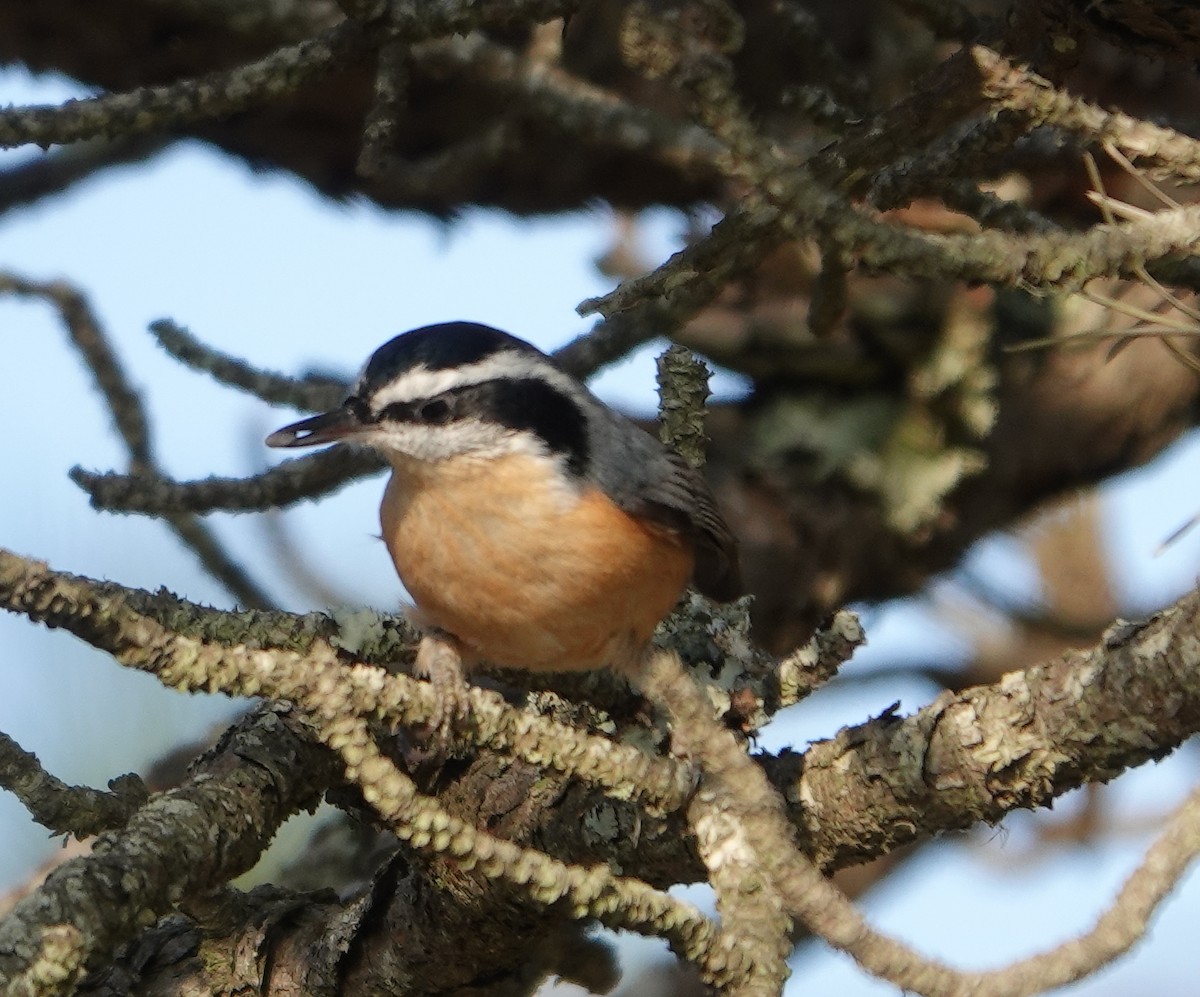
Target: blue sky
256,265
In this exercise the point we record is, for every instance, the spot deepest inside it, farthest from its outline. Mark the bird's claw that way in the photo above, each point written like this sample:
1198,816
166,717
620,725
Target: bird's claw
440,661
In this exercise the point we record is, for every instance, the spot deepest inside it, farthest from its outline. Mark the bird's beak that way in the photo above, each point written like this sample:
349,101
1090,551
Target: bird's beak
328,427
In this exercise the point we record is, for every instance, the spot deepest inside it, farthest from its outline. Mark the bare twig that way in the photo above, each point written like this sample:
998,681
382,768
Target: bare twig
157,108
129,417
312,392
292,481
1161,150
281,72
45,176
77,810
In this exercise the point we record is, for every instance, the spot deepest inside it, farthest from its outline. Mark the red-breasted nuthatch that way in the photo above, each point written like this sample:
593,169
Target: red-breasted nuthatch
533,526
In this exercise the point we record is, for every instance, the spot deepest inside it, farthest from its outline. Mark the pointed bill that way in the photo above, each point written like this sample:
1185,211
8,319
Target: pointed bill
328,427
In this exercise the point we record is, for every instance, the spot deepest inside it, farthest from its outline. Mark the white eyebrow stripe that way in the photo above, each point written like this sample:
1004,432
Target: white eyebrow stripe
421,382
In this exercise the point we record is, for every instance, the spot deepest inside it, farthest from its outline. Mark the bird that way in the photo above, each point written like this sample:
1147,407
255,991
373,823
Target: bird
533,526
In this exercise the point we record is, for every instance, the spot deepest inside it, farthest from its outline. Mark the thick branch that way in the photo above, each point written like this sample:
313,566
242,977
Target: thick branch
978,754
184,842
1083,718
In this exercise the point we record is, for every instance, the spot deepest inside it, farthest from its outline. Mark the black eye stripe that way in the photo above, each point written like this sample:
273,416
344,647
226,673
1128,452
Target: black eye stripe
360,409
523,404
398,412
434,411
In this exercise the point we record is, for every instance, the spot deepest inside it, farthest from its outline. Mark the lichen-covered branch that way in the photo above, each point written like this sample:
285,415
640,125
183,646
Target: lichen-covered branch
801,199
327,689
800,144
183,842
293,480
972,756
833,917
1082,718
594,891
77,810
1164,151
278,74
158,108
1050,728
313,392
106,618
749,850
736,817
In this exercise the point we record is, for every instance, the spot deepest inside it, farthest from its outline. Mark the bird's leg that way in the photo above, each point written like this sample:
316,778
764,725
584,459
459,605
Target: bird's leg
440,660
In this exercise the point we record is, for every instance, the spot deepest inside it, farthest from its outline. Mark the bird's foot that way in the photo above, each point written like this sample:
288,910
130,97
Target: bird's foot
440,661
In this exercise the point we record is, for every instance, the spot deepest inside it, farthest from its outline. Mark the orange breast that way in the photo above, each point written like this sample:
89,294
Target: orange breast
524,572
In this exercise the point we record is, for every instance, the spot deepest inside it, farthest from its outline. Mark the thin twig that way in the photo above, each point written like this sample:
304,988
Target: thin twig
151,109
52,173
125,404
1020,89
78,810
285,484
313,392
264,80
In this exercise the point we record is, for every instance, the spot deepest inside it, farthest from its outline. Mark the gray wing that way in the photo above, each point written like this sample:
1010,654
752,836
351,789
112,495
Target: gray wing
656,483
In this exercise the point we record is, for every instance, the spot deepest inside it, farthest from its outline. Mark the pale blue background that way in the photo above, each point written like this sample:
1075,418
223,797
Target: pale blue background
256,265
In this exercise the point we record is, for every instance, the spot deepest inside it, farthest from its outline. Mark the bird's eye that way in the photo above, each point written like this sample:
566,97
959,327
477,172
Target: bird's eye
435,411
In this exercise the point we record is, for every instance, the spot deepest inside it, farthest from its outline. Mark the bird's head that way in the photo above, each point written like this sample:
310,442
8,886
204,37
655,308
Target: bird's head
455,389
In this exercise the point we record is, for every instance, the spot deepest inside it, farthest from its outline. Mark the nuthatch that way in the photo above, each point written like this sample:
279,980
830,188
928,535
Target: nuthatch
533,526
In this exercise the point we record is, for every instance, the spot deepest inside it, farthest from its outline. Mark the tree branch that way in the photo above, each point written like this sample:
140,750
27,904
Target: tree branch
874,787
181,843
77,810
152,109
128,412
